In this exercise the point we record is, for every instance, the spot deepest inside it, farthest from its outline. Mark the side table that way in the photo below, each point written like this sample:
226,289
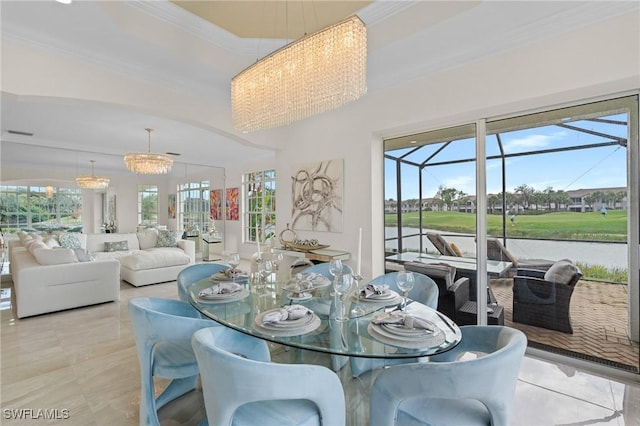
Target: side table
212,247
467,314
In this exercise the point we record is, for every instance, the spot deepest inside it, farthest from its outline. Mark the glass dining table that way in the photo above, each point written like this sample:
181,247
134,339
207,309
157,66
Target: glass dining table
335,325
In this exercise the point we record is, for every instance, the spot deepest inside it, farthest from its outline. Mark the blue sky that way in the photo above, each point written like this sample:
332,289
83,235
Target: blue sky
566,170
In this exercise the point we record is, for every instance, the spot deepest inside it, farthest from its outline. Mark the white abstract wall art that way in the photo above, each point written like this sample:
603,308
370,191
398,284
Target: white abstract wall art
317,196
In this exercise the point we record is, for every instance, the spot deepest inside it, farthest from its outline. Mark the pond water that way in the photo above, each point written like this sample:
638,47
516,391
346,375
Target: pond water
609,254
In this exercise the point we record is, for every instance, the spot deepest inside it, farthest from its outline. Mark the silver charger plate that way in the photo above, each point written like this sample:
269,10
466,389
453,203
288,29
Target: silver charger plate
225,297
420,340
391,297
295,327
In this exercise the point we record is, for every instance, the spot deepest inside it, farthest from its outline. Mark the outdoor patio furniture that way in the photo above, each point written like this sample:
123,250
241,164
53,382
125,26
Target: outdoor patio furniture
497,251
452,294
542,298
442,245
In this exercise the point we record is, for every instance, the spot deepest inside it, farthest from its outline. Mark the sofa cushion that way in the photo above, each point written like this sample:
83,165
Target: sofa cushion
561,272
34,244
116,246
167,238
47,256
155,258
52,241
147,238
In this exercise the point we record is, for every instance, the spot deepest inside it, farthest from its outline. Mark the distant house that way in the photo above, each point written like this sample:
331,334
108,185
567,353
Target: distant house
579,204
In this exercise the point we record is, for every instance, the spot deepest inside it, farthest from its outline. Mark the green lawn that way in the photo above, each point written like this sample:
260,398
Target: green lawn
556,225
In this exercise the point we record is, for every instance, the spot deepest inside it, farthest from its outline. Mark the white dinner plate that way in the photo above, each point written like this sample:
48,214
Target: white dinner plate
226,297
429,340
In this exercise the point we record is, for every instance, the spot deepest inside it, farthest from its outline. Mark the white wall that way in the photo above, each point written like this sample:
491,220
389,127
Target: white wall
601,60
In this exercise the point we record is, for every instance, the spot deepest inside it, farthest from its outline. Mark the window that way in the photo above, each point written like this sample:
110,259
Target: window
561,183
193,211
259,190
29,208
148,205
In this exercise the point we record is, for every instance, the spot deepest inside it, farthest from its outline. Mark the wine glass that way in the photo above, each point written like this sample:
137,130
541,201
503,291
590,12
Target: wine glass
341,285
265,268
405,281
234,261
277,258
335,267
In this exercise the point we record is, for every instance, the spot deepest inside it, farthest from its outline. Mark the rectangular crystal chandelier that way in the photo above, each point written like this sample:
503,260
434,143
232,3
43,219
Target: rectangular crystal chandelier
317,73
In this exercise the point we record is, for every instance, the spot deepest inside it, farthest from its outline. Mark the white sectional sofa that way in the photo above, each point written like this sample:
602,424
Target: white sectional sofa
48,278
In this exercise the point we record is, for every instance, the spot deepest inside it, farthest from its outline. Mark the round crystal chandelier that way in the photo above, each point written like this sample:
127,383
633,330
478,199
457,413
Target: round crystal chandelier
92,182
148,163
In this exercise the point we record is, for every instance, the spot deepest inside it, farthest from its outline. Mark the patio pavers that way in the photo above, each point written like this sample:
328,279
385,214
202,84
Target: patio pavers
599,316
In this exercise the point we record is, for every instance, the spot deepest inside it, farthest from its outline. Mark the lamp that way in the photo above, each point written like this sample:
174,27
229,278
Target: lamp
48,191
317,73
92,182
148,163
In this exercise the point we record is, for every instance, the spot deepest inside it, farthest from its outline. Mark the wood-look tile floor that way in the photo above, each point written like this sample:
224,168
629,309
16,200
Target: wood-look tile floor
82,363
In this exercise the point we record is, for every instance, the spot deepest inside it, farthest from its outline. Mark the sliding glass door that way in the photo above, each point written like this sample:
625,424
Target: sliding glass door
555,185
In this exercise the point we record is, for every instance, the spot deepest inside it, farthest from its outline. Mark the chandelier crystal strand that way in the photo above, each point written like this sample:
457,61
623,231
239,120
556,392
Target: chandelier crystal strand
148,163
92,182
317,73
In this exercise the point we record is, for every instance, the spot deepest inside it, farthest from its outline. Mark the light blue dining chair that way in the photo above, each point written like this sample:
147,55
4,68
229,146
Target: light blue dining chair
194,273
337,361
242,386
163,330
478,390
424,291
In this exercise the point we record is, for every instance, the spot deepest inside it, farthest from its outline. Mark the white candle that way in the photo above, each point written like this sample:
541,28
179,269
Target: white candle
258,241
360,252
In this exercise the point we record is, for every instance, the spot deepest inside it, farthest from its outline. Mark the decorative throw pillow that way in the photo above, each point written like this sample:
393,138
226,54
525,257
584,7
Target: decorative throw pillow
167,238
83,255
69,240
456,250
561,272
116,246
46,256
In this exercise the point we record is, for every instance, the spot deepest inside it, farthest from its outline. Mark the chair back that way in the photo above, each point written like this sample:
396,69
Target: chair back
194,273
240,383
323,269
425,290
497,251
441,244
477,389
162,330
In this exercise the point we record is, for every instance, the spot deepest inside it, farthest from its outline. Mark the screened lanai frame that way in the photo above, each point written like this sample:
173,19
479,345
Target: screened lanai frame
402,151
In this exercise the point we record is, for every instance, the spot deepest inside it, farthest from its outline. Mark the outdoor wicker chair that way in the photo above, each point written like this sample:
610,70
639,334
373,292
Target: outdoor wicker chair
543,298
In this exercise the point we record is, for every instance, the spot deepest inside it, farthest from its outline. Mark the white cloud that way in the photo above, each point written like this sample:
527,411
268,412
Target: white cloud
535,141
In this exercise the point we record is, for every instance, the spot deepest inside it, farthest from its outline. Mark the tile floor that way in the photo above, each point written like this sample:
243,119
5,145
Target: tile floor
84,361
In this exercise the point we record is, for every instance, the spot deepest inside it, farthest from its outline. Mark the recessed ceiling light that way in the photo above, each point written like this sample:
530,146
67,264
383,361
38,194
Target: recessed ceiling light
413,141
64,1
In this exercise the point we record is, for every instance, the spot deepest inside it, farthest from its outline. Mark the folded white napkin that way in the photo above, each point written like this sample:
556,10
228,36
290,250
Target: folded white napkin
288,313
225,287
230,273
404,320
373,290
315,279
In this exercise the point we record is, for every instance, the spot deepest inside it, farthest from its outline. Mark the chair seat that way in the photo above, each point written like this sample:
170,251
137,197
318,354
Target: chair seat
174,359
463,412
277,413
